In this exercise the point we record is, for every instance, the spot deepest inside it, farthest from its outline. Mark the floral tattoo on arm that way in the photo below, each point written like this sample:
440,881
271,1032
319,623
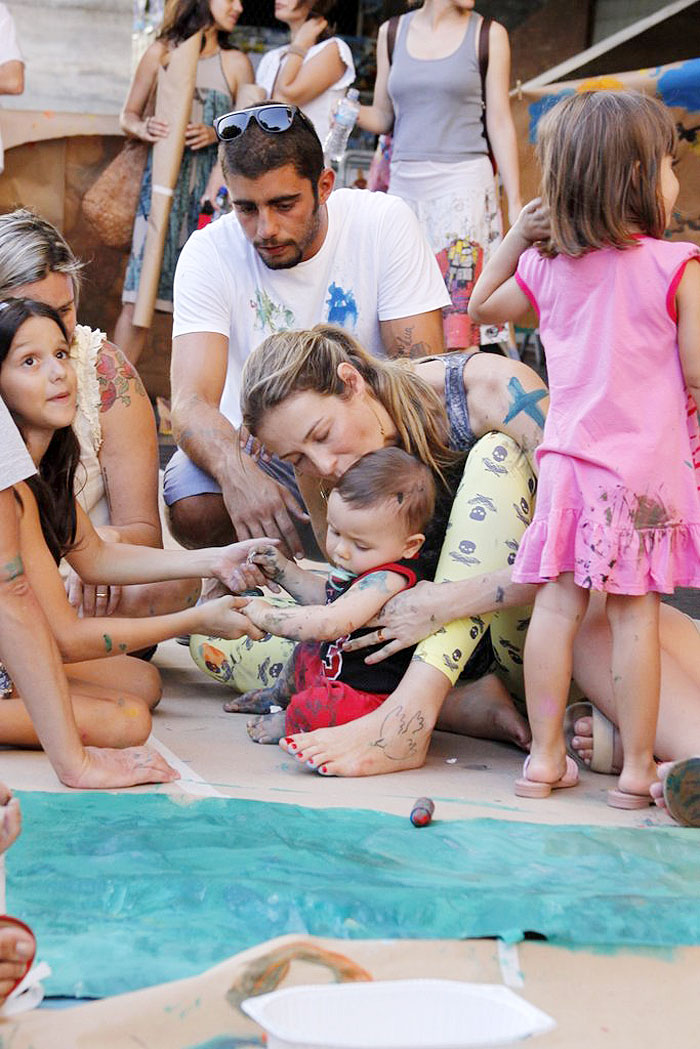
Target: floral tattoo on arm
117,379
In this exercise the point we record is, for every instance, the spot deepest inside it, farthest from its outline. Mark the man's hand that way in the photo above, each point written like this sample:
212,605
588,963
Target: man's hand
260,507
105,769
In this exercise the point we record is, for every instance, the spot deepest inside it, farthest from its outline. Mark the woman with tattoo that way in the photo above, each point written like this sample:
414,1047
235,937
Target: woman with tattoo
117,482
320,401
377,514
112,702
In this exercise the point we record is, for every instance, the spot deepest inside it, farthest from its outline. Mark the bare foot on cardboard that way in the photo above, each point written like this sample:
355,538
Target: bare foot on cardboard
484,709
269,728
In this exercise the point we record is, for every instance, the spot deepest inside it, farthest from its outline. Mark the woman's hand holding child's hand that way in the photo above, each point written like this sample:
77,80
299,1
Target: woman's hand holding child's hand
533,221
256,610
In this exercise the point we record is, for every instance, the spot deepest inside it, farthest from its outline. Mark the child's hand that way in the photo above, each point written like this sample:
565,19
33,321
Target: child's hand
235,569
533,221
257,611
228,617
270,560
265,565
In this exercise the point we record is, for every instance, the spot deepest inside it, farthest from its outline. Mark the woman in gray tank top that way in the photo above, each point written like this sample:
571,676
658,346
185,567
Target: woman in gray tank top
429,92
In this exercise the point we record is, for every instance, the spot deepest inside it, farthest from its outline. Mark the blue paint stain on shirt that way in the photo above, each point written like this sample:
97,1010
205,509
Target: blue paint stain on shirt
541,106
681,86
342,307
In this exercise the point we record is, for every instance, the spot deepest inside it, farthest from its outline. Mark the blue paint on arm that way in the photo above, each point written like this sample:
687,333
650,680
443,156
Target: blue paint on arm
524,402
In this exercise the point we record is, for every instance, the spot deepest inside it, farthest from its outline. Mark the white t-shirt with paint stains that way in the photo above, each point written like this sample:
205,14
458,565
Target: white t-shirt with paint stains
374,265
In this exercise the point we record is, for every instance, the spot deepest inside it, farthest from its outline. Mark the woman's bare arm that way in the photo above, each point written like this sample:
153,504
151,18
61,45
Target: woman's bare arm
131,118
415,614
499,119
128,454
300,81
379,117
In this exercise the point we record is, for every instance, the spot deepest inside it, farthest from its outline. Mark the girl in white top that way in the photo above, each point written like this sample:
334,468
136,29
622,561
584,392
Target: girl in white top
315,69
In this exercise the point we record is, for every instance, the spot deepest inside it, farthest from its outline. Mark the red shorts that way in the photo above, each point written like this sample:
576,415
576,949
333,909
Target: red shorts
319,701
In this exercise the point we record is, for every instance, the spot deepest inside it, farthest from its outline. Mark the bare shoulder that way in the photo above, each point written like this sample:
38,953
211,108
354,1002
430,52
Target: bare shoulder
117,379
493,371
236,63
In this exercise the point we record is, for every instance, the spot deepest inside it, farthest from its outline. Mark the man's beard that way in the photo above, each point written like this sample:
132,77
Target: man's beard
288,263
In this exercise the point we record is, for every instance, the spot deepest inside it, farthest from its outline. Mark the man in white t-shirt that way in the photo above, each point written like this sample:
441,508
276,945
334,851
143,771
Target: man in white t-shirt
31,656
11,62
291,255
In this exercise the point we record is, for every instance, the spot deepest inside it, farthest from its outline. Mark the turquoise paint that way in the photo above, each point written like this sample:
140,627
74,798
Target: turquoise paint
124,891
227,1042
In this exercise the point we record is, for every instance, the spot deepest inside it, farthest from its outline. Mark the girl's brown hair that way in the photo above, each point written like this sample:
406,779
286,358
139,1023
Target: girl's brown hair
295,361
600,154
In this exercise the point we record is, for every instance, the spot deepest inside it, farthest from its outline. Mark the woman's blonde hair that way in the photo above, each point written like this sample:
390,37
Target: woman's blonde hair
296,361
600,154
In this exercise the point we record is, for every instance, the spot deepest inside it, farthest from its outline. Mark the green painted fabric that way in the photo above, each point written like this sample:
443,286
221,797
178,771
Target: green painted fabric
127,890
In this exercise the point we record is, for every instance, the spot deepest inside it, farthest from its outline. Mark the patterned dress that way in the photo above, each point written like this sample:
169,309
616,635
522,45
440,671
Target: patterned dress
211,98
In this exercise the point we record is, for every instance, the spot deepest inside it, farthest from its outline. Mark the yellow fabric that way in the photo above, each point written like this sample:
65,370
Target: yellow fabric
492,508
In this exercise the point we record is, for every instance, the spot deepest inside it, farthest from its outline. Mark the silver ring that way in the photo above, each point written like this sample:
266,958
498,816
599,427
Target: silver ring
102,593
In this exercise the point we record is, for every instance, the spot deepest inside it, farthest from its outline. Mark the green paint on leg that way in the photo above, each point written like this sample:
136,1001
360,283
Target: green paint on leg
108,642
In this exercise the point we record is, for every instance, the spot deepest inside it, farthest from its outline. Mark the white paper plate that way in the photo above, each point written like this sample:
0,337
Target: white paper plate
396,1014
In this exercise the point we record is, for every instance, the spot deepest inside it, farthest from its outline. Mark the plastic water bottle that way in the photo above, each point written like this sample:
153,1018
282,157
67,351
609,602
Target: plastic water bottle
344,120
221,202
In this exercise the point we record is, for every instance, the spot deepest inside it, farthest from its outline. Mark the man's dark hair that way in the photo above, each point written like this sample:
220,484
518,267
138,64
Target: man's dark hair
256,152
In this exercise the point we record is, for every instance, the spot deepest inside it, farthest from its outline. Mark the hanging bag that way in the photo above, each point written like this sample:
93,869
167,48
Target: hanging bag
110,203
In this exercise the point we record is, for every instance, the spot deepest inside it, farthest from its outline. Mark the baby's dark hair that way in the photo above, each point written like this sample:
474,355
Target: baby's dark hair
391,475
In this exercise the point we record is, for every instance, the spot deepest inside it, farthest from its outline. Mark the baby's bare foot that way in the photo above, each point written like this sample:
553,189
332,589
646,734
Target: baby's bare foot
267,729
257,701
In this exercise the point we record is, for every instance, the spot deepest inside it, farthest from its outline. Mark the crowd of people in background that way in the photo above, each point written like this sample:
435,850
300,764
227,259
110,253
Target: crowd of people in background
329,376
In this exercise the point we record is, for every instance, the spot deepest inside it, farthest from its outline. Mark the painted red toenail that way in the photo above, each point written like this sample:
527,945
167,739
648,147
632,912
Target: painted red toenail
300,755
324,769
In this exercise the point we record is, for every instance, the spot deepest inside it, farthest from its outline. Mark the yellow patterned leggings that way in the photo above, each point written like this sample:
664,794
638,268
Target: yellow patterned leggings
492,508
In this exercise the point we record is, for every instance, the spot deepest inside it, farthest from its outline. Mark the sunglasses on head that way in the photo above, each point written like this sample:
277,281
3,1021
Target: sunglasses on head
273,117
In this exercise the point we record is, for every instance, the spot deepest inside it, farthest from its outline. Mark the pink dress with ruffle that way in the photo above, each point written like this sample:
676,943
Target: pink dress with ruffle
617,499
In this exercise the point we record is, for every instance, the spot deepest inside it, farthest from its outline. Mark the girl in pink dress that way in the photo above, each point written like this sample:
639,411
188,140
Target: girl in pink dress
618,508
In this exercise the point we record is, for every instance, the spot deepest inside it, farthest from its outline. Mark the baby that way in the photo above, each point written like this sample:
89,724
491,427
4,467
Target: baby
376,517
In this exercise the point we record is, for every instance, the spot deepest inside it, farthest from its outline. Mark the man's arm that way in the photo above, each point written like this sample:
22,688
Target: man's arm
256,504
411,292
419,336
12,78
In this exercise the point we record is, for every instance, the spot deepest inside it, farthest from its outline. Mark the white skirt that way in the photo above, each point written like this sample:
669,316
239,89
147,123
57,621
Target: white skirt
457,207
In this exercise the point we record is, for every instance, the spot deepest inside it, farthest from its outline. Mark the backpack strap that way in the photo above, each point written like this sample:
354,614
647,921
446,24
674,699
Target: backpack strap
484,32
392,27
